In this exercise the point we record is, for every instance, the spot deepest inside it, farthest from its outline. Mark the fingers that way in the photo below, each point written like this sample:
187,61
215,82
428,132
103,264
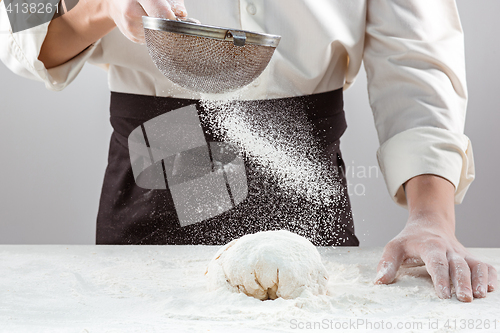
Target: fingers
129,20
492,278
484,277
479,276
158,8
389,263
461,277
178,8
471,277
436,264
412,262
128,14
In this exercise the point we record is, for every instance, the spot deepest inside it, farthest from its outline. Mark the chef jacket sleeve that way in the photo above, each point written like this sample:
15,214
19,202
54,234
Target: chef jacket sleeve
19,52
415,63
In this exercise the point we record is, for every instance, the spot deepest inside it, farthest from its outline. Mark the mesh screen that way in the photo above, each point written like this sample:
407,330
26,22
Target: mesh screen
206,65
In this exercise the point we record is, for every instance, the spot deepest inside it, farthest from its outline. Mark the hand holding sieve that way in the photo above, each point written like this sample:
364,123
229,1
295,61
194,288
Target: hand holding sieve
204,58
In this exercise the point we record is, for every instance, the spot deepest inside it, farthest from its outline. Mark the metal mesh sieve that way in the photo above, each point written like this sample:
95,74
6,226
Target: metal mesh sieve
207,59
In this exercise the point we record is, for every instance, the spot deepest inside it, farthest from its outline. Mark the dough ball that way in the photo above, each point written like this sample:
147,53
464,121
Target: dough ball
268,265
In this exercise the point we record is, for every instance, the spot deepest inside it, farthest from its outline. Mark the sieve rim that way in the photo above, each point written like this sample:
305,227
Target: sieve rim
208,31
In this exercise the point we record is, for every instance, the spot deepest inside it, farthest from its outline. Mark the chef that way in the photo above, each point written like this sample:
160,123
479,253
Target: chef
413,53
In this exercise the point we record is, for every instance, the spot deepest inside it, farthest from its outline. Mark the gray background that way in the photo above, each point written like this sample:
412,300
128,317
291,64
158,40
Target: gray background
54,150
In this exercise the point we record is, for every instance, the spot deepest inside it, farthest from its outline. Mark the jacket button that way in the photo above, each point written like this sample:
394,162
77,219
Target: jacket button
251,9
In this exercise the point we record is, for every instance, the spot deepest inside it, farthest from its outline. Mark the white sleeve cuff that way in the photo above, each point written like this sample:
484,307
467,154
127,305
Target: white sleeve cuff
426,150
20,53
59,77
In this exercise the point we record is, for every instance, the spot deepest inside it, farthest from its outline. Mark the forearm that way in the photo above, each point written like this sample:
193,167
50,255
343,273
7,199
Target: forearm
71,33
431,196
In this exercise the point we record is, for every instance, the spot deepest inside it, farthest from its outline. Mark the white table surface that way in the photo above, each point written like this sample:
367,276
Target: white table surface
58,288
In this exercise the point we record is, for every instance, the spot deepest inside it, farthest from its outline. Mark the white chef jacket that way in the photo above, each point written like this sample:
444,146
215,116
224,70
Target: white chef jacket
413,53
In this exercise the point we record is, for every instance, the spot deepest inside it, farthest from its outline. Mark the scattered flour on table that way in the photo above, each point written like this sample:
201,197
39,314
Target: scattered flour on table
268,265
351,296
163,288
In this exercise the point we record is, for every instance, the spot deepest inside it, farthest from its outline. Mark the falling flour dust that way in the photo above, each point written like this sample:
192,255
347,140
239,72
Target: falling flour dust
301,184
278,139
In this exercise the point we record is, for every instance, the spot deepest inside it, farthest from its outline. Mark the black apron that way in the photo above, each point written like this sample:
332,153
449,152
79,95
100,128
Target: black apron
163,186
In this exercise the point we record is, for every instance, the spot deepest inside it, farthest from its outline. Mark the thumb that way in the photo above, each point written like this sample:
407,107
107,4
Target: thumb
388,265
179,8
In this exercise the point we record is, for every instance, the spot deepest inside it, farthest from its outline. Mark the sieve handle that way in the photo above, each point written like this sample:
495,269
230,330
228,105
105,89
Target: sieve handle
239,37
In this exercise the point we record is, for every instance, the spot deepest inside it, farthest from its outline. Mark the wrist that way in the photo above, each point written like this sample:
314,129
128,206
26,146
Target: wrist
431,201
430,220
105,10
98,22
